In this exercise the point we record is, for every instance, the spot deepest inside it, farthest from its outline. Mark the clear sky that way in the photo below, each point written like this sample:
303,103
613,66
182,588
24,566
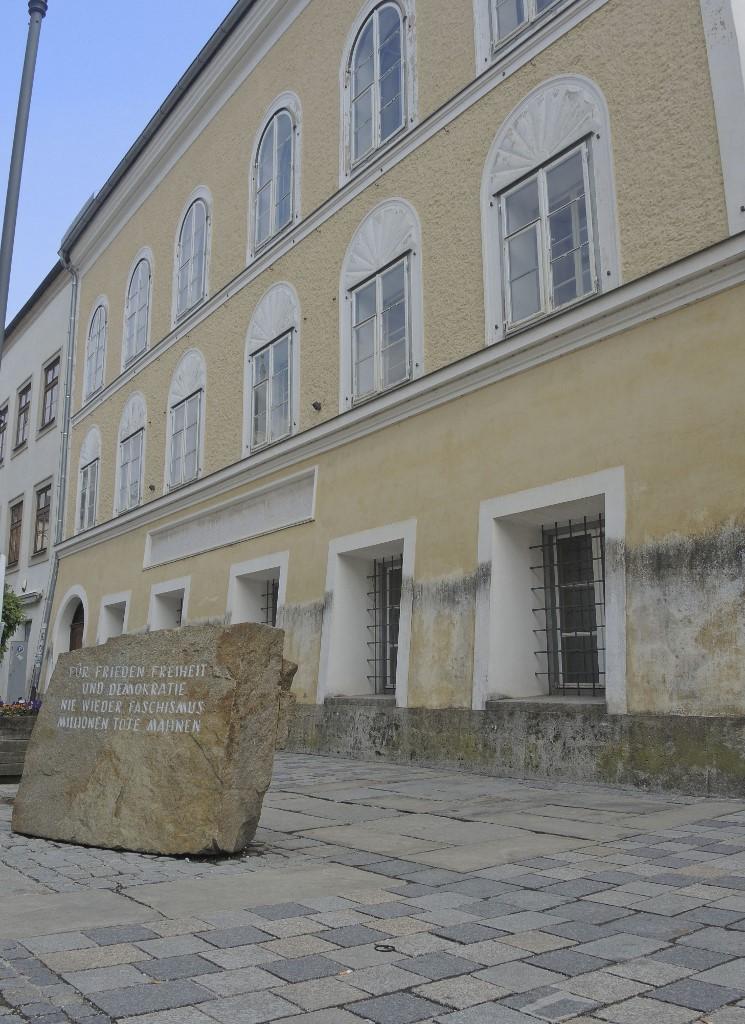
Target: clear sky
104,68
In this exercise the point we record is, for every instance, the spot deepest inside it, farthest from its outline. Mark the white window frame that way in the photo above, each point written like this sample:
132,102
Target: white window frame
189,377
244,583
111,601
289,103
277,314
379,387
186,403
90,452
179,588
127,441
538,31
409,98
270,347
204,196
93,386
345,615
548,307
129,357
504,659
556,116
389,232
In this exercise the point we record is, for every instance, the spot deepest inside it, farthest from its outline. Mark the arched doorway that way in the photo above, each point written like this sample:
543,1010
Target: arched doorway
77,627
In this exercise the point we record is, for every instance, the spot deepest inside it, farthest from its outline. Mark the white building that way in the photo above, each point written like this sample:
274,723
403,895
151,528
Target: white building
31,411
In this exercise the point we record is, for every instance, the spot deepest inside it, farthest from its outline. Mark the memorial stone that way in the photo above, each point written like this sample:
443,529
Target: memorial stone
159,743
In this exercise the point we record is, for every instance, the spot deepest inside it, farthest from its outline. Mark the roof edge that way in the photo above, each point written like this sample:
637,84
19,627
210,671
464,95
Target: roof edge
29,304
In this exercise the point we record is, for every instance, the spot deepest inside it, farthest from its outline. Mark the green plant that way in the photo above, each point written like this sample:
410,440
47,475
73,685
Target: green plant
12,618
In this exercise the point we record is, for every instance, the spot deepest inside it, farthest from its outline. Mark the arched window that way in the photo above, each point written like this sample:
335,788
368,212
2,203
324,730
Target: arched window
273,173
88,477
377,101
548,207
131,455
381,299
186,413
272,377
137,311
191,258
95,353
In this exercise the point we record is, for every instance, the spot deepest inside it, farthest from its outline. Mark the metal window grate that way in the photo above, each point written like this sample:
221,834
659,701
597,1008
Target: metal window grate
570,598
269,598
384,610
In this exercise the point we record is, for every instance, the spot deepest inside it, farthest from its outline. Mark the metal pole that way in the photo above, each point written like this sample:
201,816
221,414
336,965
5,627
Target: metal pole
36,9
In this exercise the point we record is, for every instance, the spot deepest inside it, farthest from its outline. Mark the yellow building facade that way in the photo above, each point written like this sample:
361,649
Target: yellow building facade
415,328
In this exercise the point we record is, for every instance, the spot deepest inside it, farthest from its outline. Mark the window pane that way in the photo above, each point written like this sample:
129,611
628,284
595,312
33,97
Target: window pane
525,289
261,366
266,157
543,5
284,171
510,14
259,413
264,214
196,290
522,206
572,276
281,355
280,420
364,303
362,124
391,112
389,33
565,182
363,65
364,359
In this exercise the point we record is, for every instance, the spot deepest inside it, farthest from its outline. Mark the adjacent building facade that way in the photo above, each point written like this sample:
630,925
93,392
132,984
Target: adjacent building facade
31,415
416,329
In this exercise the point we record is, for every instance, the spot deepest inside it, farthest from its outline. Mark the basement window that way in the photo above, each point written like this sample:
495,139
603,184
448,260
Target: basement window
168,603
384,612
256,590
570,606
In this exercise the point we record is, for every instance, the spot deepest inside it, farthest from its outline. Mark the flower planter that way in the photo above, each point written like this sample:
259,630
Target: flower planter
15,732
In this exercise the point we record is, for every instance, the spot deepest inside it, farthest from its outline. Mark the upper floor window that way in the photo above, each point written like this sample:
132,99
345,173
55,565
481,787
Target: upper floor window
14,533
51,393
88,473
509,16
186,420
3,431
131,454
380,331
183,459
547,230
41,519
191,258
23,415
130,470
88,495
548,207
382,344
137,311
273,172
376,81
95,352
271,417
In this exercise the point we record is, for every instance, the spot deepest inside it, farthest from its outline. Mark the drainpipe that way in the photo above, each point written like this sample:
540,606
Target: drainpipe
61,495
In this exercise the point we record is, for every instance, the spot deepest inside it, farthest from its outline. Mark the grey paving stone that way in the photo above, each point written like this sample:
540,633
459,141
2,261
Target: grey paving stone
173,967
386,910
717,939
173,945
621,946
235,983
130,1002
321,993
592,913
382,979
42,1009
568,961
436,966
303,968
550,1004
730,974
58,942
277,911
352,935
653,926
251,1008
181,1015
641,1010
224,938
577,887
579,931
696,995
519,977
460,992
468,932
100,979
118,933
398,1008
693,959
487,1013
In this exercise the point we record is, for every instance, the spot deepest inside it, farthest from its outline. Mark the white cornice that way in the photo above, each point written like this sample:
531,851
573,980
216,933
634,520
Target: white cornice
421,133
674,287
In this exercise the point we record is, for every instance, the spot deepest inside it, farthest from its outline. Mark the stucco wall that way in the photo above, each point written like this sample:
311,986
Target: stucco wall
662,400
668,179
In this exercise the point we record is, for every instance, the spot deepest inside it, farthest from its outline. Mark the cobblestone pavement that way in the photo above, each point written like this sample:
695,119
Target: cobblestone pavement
394,895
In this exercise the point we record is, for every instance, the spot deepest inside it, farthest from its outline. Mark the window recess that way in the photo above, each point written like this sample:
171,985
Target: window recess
569,595
548,239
